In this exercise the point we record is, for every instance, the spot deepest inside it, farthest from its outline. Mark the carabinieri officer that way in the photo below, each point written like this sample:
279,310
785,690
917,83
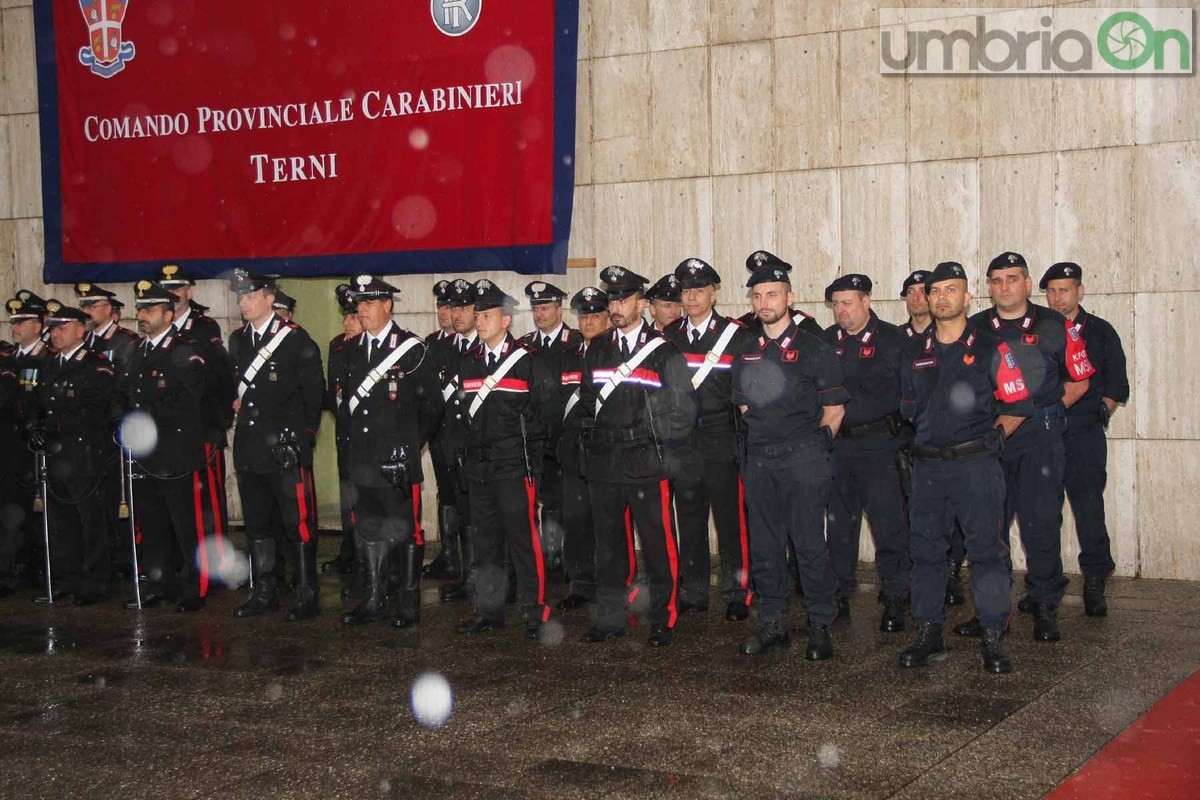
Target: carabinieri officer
789,388
963,391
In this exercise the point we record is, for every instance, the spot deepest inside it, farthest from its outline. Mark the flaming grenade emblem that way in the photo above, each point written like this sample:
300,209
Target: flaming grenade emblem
108,53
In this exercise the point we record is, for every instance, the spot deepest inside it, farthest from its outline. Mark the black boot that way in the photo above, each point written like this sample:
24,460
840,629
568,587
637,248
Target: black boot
447,564
408,605
954,586
926,648
308,593
552,543
374,556
995,657
893,615
820,642
1094,604
462,588
262,563
1045,623
971,627
771,636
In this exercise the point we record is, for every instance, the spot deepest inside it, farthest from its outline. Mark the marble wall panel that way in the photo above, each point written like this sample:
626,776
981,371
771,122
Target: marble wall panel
1166,205
808,228
1093,225
806,102
742,112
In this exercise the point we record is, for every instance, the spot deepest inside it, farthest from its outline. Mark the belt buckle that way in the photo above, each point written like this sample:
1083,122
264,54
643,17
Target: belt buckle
625,370
712,358
490,382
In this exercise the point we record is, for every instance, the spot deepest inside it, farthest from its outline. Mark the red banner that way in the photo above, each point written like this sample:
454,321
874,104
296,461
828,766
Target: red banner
306,138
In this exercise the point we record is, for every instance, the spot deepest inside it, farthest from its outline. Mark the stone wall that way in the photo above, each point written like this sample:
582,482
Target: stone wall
714,128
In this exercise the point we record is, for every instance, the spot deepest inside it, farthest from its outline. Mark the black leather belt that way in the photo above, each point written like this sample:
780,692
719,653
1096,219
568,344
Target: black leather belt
614,435
964,450
722,419
866,429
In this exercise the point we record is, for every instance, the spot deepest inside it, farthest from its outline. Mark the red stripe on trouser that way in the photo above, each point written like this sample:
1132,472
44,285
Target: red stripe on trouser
744,540
633,590
302,505
418,534
664,491
201,545
538,563
212,469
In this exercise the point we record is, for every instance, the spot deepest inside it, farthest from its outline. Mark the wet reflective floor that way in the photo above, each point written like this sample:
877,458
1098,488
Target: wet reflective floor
103,702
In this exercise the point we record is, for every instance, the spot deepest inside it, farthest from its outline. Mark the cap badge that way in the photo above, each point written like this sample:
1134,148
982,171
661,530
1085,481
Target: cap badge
760,258
461,285
170,269
694,265
1066,270
1012,258
616,272
589,293
483,286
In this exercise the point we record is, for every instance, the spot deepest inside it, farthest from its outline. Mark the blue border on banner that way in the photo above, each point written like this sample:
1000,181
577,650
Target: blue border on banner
523,259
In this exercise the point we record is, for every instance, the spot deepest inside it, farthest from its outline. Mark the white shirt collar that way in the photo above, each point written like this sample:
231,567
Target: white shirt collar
158,339
702,327
99,332
382,337
631,338
498,352
24,351
67,356
180,319
266,326
459,339
553,334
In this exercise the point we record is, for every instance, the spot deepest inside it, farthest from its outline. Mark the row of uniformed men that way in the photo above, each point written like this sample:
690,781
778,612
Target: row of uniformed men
638,451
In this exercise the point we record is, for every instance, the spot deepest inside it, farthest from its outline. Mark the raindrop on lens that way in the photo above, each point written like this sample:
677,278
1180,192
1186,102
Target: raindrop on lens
432,700
138,433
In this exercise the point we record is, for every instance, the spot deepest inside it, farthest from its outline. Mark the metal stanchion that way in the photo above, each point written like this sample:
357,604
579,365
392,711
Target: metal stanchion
127,478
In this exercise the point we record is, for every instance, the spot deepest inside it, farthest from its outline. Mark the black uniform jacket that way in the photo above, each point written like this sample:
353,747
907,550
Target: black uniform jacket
954,392
870,369
1106,354
115,344
12,439
76,406
167,383
714,437
220,385
564,345
803,321
621,445
283,396
492,445
400,412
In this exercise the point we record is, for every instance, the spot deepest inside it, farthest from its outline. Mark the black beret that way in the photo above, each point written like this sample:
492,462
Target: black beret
761,259
59,314
945,271
540,292
171,275
1060,270
148,293
461,293
89,293
693,273
916,278
589,300
1006,260
369,287
489,295
620,282
854,282
666,288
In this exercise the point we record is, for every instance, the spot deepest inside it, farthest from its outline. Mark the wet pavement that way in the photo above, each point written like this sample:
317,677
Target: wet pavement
103,702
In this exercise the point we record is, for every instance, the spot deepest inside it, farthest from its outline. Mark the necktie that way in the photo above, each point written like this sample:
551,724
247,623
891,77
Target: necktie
695,335
546,342
624,349
256,339
491,361
462,346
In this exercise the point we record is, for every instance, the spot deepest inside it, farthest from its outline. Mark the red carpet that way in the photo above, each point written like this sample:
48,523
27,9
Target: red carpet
1158,756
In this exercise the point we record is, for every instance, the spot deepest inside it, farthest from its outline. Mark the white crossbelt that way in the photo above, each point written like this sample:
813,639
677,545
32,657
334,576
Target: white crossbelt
264,355
714,356
375,375
572,401
625,370
490,381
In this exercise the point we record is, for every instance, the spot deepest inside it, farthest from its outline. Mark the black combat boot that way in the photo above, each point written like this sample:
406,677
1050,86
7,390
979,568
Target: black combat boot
820,642
971,627
1094,604
894,609
552,543
373,608
408,604
927,647
265,596
1045,623
447,564
308,593
771,636
995,657
954,586
463,588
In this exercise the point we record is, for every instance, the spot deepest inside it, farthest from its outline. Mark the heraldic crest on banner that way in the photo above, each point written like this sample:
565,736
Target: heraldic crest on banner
108,51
